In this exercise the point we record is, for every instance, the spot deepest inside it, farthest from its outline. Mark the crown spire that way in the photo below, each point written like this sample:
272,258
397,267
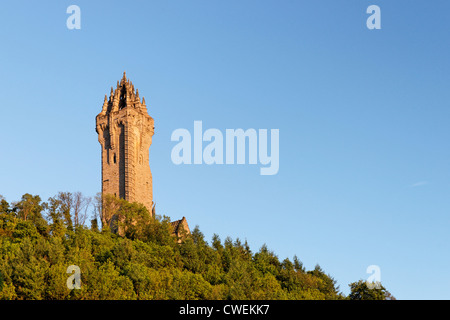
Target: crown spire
105,105
125,95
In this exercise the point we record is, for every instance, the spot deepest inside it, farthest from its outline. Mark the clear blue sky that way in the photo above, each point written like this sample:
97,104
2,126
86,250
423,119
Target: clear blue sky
363,115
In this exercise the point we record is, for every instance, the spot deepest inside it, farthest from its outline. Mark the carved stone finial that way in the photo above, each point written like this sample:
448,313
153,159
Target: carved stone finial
105,105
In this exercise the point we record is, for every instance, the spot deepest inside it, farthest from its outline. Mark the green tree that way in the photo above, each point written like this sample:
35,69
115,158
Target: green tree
4,205
30,209
362,291
55,215
327,285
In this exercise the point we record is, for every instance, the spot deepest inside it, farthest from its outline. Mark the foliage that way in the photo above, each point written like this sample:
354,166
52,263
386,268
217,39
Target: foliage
40,240
362,290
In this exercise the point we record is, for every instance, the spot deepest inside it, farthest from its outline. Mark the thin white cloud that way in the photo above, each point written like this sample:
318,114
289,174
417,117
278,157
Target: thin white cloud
418,184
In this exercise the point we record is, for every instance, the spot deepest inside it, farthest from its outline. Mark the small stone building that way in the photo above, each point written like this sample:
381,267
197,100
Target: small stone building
180,229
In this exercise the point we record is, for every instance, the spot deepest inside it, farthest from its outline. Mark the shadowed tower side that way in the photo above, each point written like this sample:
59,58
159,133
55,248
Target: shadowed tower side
125,131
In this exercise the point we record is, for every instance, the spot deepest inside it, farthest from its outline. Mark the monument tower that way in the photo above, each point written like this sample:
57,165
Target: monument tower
125,131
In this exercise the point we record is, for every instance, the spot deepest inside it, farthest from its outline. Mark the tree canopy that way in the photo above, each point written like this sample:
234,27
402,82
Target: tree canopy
40,240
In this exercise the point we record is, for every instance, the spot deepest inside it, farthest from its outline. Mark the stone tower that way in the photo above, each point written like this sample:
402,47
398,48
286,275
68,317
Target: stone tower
125,132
